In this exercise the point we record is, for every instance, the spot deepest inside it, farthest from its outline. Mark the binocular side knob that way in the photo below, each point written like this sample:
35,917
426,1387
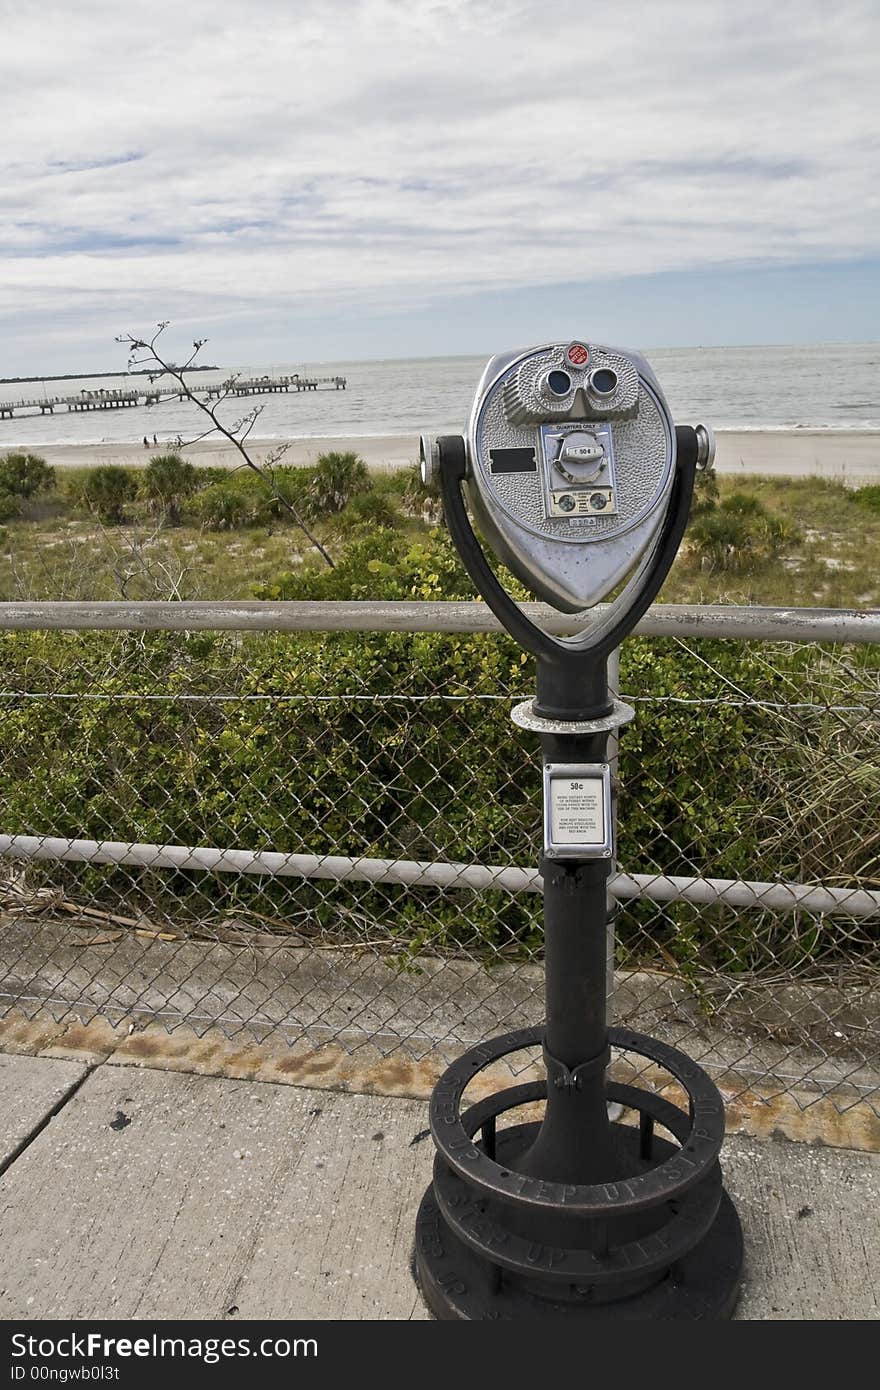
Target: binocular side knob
429,460
705,447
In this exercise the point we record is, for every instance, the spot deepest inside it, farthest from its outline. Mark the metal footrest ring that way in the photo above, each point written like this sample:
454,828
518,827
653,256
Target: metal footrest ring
663,1241
699,1147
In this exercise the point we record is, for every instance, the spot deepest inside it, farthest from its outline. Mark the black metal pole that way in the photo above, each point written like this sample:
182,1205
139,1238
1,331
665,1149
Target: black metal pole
575,1142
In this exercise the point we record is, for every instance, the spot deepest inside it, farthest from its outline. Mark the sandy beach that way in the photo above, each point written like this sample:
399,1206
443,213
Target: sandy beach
850,456
379,451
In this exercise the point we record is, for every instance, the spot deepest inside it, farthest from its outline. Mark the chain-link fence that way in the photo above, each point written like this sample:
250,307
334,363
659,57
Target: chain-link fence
332,836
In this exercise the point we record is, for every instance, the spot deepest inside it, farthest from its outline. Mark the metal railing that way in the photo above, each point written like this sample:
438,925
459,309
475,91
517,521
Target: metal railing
317,821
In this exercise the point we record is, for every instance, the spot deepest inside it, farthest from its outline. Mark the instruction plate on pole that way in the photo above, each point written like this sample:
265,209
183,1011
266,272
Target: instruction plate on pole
577,811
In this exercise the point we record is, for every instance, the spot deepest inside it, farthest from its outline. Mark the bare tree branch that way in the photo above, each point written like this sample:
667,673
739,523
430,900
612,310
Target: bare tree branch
237,436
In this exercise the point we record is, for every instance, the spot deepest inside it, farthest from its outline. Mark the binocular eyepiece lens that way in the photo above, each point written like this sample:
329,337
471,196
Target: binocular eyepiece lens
603,381
558,383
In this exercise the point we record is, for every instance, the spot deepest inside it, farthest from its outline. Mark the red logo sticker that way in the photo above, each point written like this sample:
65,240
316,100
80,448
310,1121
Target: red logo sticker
577,355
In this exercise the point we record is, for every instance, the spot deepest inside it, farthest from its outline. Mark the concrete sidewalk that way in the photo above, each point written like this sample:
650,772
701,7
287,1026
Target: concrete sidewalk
130,1193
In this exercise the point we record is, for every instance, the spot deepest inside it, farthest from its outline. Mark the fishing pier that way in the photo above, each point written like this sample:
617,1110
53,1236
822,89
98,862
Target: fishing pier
129,397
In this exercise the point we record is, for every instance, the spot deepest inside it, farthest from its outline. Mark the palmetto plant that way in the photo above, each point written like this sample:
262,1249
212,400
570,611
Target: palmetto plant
105,491
337,478
167,483
223,508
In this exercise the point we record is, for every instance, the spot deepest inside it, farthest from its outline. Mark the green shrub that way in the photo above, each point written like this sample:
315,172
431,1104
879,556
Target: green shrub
248,481
398,481
168,482
738,534
336,479
429,768
263,494
105,491
286,484
868,497
207,476
383,564
373,509
24,475
410,495
223,507
9,506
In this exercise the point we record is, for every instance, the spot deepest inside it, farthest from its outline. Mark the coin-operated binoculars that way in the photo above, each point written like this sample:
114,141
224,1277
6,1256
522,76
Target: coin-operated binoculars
581,484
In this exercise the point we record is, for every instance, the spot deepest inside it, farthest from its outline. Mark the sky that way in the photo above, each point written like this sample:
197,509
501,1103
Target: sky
379,178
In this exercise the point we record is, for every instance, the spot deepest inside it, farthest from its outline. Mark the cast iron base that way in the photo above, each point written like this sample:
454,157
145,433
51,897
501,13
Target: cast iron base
662,1241
455,1282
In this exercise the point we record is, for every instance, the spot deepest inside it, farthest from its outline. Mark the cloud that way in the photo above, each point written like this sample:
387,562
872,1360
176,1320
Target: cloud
282,157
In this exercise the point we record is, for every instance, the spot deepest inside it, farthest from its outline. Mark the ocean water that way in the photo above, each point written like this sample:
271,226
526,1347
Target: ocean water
836,387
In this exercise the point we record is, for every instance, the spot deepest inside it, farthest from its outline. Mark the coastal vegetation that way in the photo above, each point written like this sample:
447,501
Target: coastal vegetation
22,477
428,767
229,533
